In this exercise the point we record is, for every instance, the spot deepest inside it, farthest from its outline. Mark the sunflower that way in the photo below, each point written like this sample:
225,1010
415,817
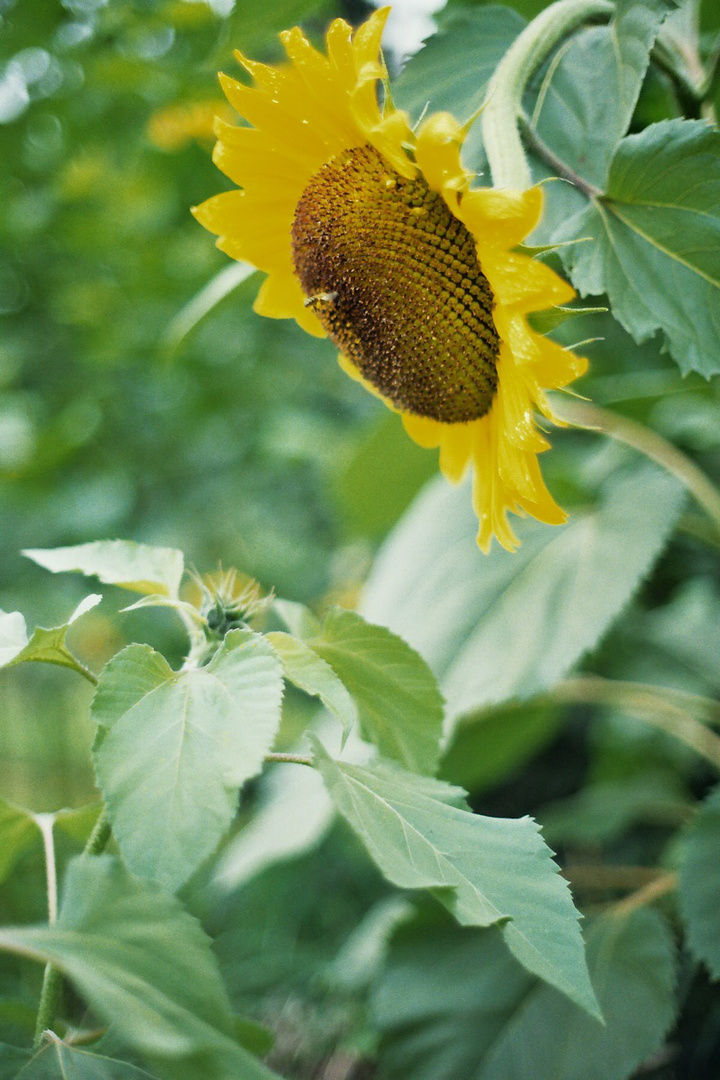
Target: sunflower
369,232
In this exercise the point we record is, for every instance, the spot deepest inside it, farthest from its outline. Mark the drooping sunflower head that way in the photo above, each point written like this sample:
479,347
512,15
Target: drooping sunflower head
370,233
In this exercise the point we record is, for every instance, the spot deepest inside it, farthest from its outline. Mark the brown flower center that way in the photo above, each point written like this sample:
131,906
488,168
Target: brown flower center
394,278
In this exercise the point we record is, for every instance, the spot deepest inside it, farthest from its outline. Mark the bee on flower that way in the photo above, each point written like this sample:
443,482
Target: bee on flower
370,233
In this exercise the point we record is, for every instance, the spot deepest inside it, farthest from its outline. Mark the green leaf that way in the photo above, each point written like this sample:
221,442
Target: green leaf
145,966
137,567
18,833
490,745
453,1005
654,240
12,1058
45,646
399,704
174,748
307,670
511,625
484,870
700,884
632,963
58,1061
435,78
589,92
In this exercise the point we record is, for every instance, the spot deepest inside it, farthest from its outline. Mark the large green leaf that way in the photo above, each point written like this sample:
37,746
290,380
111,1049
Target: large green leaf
654,238
58,1061
434,77
587,97
453,1007
137,567
146,967
700,884
173,748
399,704
510,625
486,871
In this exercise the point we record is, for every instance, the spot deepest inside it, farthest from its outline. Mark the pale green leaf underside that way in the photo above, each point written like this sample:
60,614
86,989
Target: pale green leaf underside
399,705
138,567
484,870
511,625
173,749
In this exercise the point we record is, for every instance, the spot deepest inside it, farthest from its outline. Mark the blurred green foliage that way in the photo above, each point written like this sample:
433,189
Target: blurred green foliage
243,442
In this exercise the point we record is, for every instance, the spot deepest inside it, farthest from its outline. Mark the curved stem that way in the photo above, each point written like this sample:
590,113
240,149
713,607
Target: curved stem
646,703
586,415
501,137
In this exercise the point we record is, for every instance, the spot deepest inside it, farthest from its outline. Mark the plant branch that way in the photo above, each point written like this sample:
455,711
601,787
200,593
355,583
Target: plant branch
584,876
585,414
52,979
563,170
649,704
647,894
291,759
508,165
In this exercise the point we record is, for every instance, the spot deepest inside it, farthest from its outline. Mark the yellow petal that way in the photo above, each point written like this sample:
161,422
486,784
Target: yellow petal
501,218
437,153
280,297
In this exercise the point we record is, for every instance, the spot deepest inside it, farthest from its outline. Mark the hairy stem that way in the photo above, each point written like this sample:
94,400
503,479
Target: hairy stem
97,841
291,759
587,415
501,137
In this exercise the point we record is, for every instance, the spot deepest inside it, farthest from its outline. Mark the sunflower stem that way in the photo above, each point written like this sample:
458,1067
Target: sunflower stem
587,415
500,117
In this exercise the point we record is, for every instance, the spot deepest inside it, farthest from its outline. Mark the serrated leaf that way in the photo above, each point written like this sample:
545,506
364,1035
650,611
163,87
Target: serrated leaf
303,667
138,567
587,98
655,240
145,966
174,748
511,625
486,871
46,646
632,963
434,78
700,884
58,1061
399,705
454,1005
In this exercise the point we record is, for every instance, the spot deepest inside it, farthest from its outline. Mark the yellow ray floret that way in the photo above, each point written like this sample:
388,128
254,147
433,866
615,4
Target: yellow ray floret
371,233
